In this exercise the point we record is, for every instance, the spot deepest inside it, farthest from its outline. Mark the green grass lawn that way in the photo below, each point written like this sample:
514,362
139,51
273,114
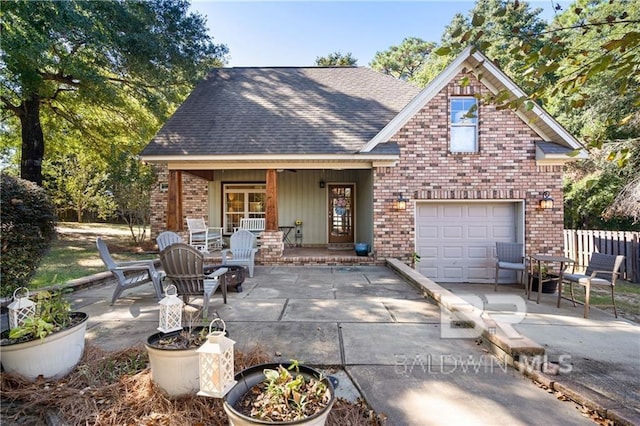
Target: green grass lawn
74,253
627,296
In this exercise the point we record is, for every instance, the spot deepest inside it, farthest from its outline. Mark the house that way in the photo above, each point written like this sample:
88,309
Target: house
360,157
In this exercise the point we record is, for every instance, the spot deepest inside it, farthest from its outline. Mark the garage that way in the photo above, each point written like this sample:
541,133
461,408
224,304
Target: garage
456,241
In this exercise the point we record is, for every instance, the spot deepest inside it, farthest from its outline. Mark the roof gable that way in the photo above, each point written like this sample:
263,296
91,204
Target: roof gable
494,79
277,111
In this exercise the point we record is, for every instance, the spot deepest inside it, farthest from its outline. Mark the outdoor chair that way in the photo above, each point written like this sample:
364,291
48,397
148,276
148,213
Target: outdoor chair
166,238
202,237
129,274
184,266
242,250
602,271
509,256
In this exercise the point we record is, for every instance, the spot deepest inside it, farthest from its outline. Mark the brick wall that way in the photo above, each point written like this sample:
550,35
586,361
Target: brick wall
504,168
194,201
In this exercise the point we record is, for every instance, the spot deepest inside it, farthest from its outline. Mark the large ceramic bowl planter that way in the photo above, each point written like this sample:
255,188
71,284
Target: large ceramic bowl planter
253,376
175,369
54,356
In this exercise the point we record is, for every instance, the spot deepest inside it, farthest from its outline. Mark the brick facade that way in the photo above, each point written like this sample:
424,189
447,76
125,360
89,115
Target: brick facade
194,202
504,168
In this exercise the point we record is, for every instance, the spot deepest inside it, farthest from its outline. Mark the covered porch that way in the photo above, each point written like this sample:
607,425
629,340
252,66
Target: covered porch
311,216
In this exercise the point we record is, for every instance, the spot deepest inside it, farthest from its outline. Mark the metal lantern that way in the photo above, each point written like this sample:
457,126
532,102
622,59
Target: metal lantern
216,363
170,311
21,308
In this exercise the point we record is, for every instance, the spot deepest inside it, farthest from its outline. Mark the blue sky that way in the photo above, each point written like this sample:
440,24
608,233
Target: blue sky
295,33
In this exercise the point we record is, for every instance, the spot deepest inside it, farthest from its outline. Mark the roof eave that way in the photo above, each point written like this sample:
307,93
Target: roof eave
271,161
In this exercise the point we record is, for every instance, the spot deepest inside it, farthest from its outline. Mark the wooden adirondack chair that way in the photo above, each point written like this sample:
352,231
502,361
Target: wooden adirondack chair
184,266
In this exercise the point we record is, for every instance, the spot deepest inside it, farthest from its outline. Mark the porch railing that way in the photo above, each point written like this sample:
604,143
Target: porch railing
580,243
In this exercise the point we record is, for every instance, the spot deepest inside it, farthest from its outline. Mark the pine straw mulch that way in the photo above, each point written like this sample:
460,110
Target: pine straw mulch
115,388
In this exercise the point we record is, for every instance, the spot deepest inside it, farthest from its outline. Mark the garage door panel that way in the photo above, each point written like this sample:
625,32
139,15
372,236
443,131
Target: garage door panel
477,232
501,233
458,239
427,232
478,211
452,210
480,274
453,273
478,252
452,252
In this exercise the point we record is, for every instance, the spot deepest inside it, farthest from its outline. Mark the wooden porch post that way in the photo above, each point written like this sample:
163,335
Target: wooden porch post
174,201
271,208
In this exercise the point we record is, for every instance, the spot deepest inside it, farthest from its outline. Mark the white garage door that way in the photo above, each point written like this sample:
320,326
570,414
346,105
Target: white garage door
456,241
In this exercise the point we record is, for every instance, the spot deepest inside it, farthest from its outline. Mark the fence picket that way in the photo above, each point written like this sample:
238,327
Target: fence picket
580,243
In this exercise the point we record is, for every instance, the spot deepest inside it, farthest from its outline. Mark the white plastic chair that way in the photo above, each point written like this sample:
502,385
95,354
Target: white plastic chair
166,238
242,250
130,273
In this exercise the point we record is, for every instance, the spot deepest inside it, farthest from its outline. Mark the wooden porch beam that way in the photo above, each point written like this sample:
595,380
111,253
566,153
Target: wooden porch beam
174,201
271,208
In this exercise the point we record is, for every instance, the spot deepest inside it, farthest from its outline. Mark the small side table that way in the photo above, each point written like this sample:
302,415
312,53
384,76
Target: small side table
286,230
544,258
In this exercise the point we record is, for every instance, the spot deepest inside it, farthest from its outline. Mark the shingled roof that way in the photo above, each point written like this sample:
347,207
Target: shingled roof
314,110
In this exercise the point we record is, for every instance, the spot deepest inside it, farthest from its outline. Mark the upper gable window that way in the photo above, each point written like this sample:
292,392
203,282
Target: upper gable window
464,125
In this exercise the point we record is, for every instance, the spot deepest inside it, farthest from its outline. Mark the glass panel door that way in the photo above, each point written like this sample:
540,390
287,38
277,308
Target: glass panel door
242,201
341,213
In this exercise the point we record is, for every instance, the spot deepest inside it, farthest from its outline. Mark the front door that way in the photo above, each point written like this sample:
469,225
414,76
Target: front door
341,202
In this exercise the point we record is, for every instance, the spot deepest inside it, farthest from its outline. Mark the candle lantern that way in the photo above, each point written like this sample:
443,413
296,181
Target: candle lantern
21,308
216,363
170,311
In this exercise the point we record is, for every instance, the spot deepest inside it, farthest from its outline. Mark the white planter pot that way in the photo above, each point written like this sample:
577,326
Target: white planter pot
54,356
252,376
176,371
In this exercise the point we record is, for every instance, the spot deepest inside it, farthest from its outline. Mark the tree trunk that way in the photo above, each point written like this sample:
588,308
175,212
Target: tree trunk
32,141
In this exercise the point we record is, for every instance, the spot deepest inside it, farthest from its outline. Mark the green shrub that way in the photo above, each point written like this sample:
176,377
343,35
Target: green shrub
27,221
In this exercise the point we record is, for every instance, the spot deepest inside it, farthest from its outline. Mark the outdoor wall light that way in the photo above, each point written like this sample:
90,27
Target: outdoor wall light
322,184
546,202
401,202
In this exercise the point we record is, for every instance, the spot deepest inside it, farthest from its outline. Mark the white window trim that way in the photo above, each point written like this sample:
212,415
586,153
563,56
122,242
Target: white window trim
472,124
246,189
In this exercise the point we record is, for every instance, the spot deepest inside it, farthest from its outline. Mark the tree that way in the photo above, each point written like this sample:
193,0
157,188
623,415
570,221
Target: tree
593,44
75,60
495,27
130,183
336,59
405,60
76,182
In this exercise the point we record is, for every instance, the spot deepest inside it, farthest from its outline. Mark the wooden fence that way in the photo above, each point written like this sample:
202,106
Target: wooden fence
580,243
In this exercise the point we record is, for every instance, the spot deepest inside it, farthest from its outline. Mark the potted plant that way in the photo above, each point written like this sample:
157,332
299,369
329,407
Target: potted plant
48,343
173,358
549,281
280,394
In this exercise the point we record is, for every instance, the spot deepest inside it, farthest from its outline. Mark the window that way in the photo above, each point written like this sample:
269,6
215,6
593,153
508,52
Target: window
464,125
242,201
